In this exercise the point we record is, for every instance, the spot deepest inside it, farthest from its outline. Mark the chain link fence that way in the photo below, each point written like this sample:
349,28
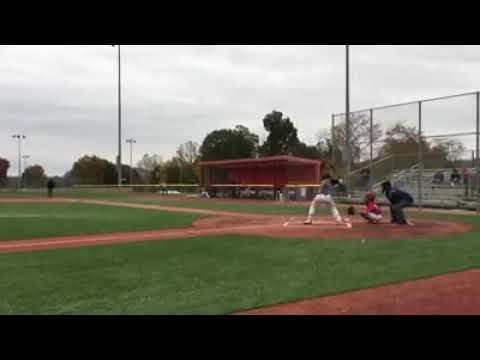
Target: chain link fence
428,147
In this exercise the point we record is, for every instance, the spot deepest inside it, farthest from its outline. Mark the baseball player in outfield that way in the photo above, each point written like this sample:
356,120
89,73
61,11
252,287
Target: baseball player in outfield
324,196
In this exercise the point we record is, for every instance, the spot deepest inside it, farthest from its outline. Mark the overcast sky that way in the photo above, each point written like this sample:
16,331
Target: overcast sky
64,98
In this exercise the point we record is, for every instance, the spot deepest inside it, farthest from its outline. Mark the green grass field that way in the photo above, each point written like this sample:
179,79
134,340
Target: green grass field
195,203
259,208
205,275
216,275
26,221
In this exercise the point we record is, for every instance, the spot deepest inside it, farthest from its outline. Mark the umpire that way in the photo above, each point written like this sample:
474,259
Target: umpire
399,200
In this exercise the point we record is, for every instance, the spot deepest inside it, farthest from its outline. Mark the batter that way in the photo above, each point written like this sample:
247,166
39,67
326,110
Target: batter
324,196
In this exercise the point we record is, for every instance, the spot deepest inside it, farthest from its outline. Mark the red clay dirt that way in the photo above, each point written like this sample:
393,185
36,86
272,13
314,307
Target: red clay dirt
223,222
451,294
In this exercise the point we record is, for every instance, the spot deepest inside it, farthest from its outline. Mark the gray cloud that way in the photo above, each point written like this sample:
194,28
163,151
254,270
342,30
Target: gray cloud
64,97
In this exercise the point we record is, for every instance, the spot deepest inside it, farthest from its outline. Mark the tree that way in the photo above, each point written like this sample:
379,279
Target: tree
158,174
359,137
249,136
282,135
59,181
187,159
4,165
68,179
150,168
309,151
172,171
401,139
149,162
325,144
136,179
402,142
227,144
188,153
452,148
93,170
34,176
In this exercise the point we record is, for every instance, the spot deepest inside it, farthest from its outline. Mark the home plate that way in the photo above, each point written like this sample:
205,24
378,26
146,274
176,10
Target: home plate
314,223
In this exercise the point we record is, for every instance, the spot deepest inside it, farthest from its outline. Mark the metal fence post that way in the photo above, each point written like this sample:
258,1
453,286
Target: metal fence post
348,152
370,169
332,140
420,157
477,151
371,135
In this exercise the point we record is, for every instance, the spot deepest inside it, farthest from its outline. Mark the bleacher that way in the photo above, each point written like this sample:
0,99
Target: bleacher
460,195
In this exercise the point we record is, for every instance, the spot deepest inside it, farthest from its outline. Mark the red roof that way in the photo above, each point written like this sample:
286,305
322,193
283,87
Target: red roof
265,161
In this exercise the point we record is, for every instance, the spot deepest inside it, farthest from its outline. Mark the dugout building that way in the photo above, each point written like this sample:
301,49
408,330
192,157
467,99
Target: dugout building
267,175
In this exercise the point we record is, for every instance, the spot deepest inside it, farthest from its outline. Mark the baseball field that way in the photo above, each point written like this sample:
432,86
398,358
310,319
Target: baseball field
132,253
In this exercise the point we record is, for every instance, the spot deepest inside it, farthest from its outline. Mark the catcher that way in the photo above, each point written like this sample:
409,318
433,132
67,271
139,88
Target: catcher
372,212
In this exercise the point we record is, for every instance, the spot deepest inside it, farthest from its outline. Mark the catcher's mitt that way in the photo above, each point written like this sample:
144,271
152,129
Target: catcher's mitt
351,211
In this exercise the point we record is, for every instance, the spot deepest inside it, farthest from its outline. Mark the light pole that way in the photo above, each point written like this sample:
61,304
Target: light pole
119,156
25,157
347,116
19,137
131,142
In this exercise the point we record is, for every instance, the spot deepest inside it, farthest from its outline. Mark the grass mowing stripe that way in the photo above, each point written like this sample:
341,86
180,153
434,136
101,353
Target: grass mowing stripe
45,220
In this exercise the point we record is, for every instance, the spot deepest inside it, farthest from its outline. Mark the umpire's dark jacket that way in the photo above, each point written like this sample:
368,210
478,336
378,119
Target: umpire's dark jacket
396,196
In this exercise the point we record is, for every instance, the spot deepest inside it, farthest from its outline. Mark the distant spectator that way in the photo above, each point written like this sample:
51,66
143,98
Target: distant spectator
466,176
50,186
204,194
438,178
277,194
466,180
341,188
454,178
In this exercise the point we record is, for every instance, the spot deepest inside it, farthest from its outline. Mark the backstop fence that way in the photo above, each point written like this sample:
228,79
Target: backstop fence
428,147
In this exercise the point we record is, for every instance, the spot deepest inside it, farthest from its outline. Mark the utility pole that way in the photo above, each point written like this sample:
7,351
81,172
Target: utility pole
119,156
347,116
25,157
19,137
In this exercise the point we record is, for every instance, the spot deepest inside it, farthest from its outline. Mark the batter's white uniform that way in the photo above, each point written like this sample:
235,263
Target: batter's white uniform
325,197
327,200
